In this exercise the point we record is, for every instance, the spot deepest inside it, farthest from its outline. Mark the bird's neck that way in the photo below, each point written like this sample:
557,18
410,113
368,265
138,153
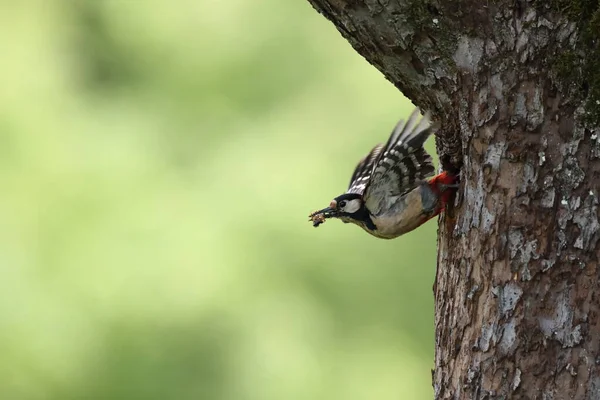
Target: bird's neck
364,216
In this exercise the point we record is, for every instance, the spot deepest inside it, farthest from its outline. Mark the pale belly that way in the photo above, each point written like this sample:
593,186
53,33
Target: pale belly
407,215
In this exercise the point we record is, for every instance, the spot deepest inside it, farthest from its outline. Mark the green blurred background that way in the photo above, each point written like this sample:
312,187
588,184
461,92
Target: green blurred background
159,160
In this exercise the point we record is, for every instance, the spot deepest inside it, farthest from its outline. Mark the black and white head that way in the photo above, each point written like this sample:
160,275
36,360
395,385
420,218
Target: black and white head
348,207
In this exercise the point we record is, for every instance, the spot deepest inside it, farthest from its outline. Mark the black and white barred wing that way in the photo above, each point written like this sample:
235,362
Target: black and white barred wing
401,164
364,169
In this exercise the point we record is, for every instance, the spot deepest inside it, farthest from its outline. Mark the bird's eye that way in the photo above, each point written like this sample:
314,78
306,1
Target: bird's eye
342,204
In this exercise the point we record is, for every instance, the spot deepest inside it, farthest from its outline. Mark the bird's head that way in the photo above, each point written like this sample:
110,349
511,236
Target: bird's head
348,207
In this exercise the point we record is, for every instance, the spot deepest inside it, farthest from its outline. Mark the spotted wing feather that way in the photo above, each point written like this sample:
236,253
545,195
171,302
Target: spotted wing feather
362,172
401,164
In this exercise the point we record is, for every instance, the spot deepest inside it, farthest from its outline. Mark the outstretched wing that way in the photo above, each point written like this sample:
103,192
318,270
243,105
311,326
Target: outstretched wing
401,164
362,172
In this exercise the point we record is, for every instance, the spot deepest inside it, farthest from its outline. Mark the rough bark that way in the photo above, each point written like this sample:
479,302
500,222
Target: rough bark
516,87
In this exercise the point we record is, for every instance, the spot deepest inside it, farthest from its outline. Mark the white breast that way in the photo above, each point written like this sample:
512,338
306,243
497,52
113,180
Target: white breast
403,216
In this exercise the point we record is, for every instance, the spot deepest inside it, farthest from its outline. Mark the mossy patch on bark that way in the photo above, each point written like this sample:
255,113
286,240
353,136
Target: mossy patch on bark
577,71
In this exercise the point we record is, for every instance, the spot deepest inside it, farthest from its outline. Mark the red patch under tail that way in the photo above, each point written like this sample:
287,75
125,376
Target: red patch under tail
441,184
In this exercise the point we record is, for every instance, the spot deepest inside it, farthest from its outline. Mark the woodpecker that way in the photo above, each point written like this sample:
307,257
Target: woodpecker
389,193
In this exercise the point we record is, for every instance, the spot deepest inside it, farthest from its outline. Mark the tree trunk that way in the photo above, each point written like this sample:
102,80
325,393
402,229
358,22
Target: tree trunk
516,87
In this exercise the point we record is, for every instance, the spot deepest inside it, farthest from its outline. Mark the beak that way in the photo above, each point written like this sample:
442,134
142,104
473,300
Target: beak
318,217
326,212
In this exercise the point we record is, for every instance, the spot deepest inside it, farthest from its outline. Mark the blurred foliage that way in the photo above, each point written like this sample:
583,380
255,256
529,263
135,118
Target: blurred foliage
159,160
